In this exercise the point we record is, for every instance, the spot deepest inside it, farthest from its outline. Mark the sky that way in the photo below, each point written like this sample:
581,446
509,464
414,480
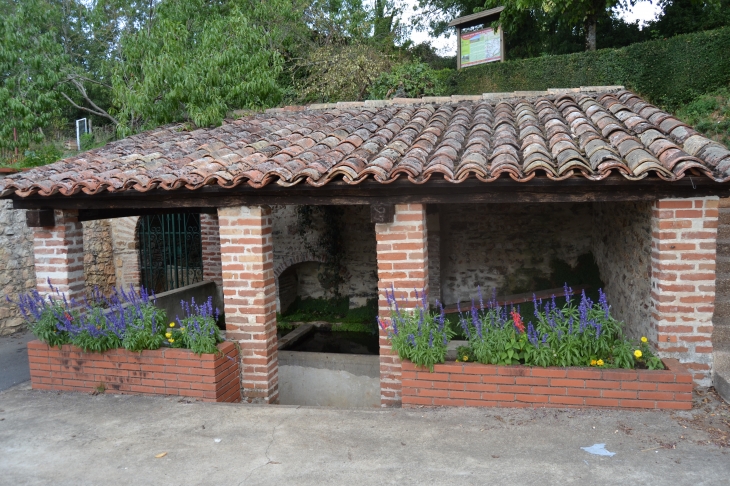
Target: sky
642,11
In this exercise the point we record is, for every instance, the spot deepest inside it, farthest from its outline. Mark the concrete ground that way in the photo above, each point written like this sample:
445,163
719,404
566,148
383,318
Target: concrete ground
14,359
70,438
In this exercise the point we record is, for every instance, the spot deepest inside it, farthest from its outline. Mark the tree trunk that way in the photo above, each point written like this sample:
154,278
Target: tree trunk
590,34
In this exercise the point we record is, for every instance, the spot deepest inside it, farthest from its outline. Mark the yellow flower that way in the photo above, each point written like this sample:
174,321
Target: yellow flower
458,361
643,339
466,358
182,328
637,353
168,335
171,340
593,362
599,362
172,324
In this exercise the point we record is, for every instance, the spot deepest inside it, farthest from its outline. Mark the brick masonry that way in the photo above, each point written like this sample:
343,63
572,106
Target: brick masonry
211,245
165,371
478,385
402,249
684,240
59,256
249,293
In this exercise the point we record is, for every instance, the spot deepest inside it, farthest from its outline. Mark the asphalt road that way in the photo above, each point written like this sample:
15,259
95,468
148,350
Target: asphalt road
14,360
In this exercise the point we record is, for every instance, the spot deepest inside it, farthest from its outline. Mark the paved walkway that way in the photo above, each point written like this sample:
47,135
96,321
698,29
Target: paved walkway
14,359
75,439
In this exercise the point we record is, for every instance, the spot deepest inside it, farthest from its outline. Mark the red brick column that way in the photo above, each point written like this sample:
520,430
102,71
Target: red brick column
249,293
59,256
684,239
211,240
402,252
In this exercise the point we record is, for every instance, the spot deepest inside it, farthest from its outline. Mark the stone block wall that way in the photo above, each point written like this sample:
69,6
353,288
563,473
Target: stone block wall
622,249
507,246
99,256
126,251
17,271
294,250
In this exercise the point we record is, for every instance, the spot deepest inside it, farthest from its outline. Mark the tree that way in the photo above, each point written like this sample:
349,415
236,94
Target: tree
195,62
30,61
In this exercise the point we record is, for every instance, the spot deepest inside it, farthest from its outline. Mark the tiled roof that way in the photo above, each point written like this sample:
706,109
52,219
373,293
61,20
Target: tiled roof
560,133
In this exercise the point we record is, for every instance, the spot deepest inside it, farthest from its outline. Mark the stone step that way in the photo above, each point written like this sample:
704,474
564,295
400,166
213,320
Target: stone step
721,373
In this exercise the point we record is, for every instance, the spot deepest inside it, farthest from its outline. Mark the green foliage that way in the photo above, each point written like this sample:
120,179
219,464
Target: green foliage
46,328
30,60
146,331
411,80
102,339
197,61
710,114
336,310
342,72
35,157
417,334
664,71
198,331
574,335
686,16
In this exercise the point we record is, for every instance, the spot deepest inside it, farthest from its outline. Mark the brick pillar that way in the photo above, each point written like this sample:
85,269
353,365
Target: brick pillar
249,293
684,240
402,252
210,238
59,256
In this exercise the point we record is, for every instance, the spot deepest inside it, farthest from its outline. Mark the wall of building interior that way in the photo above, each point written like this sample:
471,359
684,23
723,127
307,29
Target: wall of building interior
302,245
622,248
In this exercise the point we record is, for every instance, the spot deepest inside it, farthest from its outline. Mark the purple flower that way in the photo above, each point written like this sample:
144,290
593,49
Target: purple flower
430,339
412,340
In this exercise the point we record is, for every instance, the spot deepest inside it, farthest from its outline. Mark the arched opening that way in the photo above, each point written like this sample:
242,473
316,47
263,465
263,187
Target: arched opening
170,251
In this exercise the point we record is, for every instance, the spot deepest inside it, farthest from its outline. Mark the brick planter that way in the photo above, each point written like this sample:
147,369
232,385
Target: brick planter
478,385
164,371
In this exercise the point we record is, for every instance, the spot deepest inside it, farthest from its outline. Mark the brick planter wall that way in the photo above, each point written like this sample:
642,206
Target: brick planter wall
164,371
478,385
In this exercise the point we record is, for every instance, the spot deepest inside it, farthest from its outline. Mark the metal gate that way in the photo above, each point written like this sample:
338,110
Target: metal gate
171,253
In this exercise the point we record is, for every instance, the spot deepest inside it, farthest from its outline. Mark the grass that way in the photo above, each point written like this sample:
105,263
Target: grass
710,114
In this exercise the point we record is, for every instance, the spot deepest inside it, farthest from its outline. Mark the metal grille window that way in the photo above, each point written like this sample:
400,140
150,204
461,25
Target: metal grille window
170,251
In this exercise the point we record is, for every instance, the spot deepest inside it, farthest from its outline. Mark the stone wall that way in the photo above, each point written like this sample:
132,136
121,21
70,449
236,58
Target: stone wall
508,247
99,267
17,273
126,251
622,249
359,273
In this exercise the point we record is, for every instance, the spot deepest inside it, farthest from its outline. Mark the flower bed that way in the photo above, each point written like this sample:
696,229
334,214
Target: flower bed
479,385
164,371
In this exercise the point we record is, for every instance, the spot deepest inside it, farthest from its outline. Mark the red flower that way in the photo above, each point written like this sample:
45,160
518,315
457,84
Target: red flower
68,316
518,321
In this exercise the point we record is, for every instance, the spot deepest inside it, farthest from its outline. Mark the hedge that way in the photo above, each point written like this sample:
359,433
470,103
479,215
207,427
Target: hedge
669,72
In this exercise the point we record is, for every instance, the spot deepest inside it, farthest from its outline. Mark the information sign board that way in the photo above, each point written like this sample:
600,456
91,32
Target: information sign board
480,46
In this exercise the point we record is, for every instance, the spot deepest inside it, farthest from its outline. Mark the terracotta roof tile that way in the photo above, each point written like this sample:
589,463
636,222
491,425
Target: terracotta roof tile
560,133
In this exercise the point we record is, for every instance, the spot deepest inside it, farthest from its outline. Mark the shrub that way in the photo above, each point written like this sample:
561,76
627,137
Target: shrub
411,80
127,320
198,330
666,71
574,335
417,335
